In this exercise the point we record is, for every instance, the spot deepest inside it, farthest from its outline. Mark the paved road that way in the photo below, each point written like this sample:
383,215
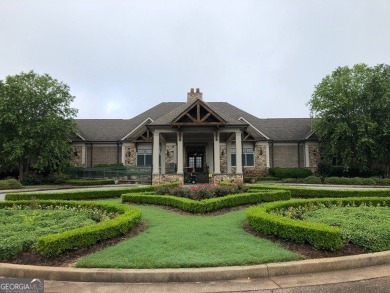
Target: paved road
364,280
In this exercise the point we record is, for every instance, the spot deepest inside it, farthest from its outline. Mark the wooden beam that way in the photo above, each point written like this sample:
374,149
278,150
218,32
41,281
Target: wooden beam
192,118
205,117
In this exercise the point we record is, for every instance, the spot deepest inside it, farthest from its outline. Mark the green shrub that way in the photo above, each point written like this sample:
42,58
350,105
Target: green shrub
352,181
81,194
281,173
10,184
85,182
32,179
385,181
55,244
321,236
207,205
36,179
312,180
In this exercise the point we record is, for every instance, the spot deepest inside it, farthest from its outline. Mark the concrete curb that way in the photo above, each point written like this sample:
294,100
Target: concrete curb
194,274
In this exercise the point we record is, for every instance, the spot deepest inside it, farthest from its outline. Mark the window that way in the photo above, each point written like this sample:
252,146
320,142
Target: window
144,158
248,157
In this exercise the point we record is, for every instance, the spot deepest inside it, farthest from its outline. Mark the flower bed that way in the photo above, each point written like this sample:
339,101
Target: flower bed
202,191
114,220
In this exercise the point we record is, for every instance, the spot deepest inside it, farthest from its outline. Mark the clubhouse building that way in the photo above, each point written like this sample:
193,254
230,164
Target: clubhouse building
180,139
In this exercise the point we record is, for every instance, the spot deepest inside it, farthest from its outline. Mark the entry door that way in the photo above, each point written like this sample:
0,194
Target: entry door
195,160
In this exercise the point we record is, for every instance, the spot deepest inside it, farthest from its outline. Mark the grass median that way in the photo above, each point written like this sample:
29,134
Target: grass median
177,240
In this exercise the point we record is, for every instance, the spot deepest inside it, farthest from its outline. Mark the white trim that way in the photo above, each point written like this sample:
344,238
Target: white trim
310,134
83,157
246,121
79,135
307,159
135,129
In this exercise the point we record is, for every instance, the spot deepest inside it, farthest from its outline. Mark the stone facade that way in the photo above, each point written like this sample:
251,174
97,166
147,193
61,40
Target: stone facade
167,178
314,156
260,168
76,158
130,155
227,177
170,156
223,158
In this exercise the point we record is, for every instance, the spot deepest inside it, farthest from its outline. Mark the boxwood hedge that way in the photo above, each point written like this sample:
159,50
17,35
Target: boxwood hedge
208,205
81,194
55,244
305,192
319,235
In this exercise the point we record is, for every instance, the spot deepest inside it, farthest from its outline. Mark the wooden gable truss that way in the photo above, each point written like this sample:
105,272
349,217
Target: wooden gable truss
198,114
146,136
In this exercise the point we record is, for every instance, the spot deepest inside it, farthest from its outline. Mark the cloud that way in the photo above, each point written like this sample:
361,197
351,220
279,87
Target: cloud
121,58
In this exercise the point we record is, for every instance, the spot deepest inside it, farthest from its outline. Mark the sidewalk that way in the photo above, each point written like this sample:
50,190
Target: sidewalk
368,279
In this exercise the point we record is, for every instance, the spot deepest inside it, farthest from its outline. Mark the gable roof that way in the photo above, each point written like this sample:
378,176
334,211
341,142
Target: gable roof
199,114
277,129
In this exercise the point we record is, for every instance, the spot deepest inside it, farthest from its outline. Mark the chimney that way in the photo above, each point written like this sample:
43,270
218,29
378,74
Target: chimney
192,96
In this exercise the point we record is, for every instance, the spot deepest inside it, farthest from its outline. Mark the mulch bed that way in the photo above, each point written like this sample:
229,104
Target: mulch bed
69,259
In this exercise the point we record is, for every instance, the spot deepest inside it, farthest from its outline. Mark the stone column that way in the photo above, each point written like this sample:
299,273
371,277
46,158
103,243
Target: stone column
217,161
180,153
238,153
163,156
229,157
156,153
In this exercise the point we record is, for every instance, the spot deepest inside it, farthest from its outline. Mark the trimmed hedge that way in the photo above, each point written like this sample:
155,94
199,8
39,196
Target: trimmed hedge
321,236
81,194
54,244
304,192
281,173
208,205
83,182
10,184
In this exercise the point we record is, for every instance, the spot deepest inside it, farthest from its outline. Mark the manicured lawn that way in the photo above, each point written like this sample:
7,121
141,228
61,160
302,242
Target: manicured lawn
365,226
20,228
174,240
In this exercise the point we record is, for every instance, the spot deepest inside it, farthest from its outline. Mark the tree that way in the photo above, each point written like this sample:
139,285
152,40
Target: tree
36,122
352,111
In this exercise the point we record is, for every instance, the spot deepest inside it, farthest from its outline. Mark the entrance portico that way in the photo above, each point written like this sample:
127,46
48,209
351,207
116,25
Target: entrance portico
197,133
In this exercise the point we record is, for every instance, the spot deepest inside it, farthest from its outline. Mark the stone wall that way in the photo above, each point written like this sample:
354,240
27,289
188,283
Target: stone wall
130,155
76,158
167,178
314,156
223,158
260,168
170,157
227,177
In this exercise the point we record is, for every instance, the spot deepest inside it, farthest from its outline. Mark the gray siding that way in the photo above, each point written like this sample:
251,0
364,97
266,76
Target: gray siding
103,154
285,156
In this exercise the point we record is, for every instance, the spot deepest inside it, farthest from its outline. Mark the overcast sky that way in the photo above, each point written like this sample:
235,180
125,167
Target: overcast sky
122,57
